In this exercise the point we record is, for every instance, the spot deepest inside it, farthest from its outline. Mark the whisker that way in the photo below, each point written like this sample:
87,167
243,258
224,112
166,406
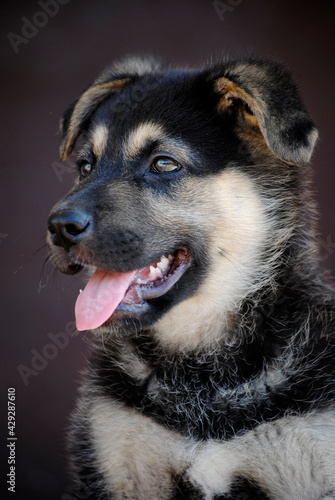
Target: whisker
45,245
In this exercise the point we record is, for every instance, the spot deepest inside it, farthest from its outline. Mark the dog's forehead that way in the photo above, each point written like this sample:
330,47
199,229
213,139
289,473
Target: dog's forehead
153,97
159,93
151,110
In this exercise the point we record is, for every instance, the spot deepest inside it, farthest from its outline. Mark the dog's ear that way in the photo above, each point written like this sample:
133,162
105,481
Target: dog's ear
111,80
77,115
265,98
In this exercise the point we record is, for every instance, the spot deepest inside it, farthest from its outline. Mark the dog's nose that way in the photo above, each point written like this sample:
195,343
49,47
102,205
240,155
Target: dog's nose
67,228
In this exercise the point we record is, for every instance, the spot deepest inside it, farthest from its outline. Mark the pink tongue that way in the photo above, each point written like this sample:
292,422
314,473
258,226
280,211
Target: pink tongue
101,296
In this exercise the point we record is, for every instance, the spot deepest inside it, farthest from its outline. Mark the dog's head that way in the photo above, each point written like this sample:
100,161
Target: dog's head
167,210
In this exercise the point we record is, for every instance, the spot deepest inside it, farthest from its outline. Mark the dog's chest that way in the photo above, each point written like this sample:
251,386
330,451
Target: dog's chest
195,397
181,394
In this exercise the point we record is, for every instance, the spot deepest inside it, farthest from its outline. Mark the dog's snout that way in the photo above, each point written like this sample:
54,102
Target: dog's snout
67,228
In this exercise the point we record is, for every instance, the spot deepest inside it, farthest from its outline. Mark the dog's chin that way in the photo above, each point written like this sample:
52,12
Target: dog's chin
124,316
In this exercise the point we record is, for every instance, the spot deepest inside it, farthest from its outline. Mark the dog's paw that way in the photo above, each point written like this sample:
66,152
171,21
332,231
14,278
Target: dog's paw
213,469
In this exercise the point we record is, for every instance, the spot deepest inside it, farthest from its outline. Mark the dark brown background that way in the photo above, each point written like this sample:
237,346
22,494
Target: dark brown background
38,83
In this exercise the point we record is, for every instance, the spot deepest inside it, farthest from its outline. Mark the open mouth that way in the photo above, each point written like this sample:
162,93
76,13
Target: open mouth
108,291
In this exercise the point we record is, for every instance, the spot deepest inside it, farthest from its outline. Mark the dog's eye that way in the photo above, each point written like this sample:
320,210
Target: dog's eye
164,165
85,169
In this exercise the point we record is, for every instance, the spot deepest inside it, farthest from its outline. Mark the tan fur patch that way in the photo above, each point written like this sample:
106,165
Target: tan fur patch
140,136
150,131
99,140
231,93
230,212
137,456
85,105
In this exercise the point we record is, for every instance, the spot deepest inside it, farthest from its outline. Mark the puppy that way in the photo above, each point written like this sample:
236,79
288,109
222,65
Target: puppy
212,370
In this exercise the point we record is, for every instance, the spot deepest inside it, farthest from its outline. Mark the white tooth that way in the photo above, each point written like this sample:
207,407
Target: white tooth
80,290
140,282
163,264
154,273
